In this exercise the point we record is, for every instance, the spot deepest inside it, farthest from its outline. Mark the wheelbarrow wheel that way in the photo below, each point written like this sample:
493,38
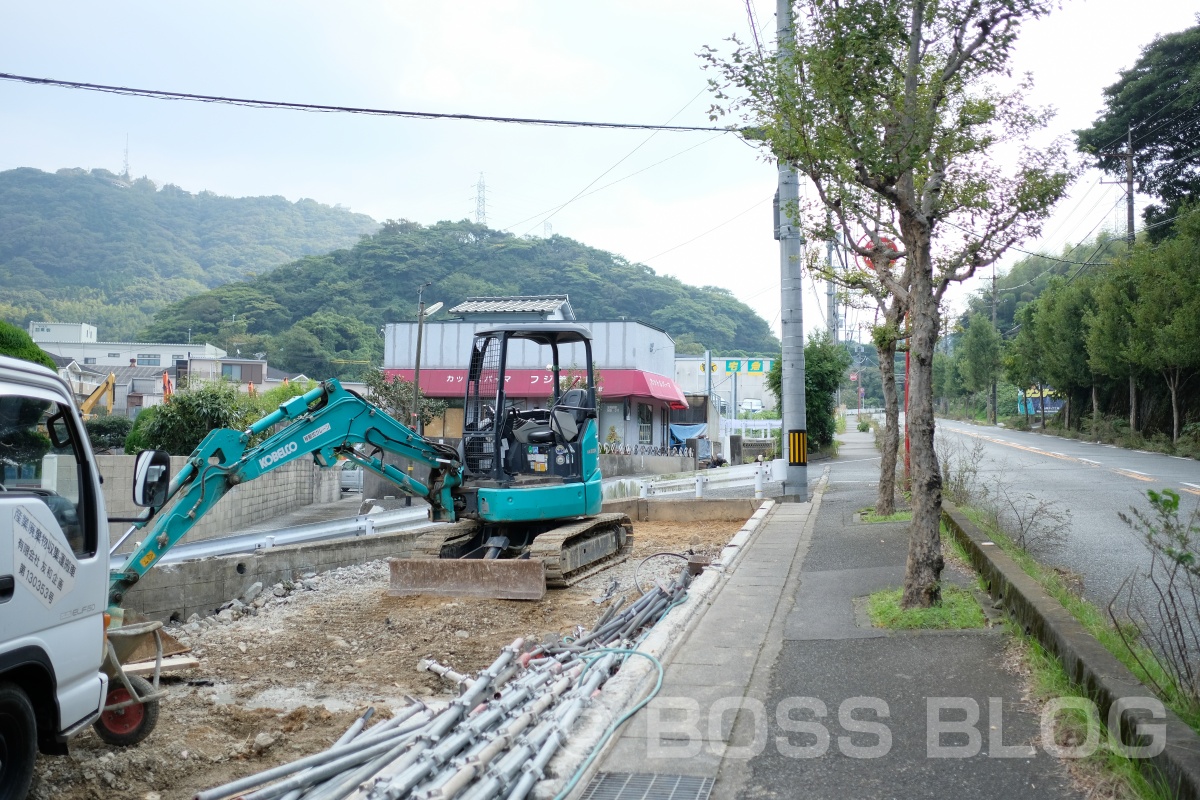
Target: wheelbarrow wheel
125,727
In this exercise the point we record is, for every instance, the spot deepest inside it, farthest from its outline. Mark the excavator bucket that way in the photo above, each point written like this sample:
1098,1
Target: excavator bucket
499,579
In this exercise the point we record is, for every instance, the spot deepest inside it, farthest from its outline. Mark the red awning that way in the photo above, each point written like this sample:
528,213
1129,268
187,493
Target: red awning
537,383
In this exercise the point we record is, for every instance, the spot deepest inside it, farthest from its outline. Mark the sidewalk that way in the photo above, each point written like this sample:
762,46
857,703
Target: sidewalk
780,691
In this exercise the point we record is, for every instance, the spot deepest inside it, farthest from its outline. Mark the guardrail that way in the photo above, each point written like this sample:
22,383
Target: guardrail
756,474
360,525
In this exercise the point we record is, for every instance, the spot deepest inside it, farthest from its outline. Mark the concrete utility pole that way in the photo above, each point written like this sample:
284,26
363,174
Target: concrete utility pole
417,426
830,296
795,424
1129,186
995,297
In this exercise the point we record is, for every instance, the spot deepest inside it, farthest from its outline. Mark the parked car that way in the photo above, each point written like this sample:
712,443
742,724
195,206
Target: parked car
351,476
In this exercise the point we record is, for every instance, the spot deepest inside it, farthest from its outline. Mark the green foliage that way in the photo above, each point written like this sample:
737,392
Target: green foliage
17,343
135,440
864,426
395,396
108,431
316,313
825,362
182,422
89,246
1156,98
959,609
978,354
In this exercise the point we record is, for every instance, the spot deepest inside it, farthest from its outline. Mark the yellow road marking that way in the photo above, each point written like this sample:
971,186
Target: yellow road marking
1191,491
1134,475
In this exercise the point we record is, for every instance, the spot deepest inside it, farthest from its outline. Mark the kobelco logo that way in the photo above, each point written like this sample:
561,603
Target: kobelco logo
271,458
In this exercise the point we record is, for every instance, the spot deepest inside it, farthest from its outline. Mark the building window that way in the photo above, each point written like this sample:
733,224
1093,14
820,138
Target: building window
89,361
114,355
149,360
645,415
178,358
231,371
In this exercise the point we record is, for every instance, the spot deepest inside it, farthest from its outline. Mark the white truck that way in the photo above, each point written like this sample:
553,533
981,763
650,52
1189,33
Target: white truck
54,574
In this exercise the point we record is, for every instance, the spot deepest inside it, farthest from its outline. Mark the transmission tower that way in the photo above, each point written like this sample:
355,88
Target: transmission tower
125,174
547,230
481,201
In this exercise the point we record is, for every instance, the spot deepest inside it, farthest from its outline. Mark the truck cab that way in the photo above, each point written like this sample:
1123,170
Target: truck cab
53,572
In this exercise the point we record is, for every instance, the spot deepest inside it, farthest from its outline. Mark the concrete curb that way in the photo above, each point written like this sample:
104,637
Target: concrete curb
1088,664
637,676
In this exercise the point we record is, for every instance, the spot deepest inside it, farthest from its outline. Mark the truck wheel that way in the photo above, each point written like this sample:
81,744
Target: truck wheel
18,742
125,727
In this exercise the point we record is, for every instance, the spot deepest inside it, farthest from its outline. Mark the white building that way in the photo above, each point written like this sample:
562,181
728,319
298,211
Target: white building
635,363
78,341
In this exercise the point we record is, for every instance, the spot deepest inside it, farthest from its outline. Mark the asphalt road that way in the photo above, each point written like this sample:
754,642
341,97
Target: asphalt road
1093,481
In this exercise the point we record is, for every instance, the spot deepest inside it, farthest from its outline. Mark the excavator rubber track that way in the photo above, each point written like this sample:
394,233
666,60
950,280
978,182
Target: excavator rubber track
557,559
580,549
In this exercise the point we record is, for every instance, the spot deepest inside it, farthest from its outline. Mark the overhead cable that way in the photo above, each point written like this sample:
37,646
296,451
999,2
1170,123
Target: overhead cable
157,94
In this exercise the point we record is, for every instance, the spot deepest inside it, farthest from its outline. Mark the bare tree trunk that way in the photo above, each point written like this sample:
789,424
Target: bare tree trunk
1132,403
1095,413
1042,403
924,568
1173,385
885,503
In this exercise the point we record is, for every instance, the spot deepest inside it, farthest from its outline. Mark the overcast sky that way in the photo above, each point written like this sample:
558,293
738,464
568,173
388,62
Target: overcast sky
693,205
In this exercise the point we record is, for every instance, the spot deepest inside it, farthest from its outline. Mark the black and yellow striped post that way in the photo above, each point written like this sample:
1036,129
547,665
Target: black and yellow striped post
797,448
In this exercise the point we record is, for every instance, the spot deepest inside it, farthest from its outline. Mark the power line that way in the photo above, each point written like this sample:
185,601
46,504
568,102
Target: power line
157,94
640,145
710,230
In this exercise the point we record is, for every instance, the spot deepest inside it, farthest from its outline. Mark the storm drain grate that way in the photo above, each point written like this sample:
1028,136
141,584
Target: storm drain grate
642,786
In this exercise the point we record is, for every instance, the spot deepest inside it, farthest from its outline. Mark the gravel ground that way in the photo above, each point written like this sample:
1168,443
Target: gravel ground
286,674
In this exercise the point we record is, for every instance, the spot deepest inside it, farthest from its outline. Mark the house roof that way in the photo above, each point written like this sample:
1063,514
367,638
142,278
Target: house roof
126,375
515,305
61,361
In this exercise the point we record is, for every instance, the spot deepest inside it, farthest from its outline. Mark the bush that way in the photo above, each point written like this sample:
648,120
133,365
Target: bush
863,425
108,431
183,421
135,440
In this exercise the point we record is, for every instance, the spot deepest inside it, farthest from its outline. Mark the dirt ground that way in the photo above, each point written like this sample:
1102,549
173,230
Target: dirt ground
288,678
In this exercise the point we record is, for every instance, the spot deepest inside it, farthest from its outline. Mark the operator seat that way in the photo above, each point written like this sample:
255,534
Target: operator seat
566,419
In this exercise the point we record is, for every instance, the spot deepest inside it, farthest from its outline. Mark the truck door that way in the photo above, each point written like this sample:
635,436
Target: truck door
52,564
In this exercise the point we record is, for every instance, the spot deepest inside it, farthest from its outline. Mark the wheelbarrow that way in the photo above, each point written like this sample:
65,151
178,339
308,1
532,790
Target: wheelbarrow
131,707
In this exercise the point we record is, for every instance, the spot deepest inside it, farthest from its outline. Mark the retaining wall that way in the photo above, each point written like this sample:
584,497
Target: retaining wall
1087,662
279,491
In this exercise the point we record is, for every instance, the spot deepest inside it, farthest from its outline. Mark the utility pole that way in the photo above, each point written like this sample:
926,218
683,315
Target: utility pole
1128,183
795,425
830,299
417,426
1129,186
995,409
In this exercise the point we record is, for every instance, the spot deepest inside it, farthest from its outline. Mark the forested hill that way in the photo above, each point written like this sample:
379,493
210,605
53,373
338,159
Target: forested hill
320,313
88,246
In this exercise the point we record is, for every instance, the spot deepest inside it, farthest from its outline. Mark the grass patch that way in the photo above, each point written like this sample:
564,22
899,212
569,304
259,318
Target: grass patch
1095,620
869,515
1107,772
959,609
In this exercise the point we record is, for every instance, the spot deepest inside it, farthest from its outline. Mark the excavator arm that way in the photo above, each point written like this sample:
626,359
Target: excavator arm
325,423
106,391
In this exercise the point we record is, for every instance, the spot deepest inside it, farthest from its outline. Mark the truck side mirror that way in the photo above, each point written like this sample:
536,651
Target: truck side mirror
151,478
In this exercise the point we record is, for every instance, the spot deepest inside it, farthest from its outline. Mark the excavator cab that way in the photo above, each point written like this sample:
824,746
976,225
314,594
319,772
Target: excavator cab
531,475
537,463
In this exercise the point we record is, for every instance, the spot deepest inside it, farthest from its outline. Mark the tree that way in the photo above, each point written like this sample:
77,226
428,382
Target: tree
1060,330
1111,348
183,421
978,354
1023,357
108,431
1167,317
825,364
395,396
18,344
889,108
1154,104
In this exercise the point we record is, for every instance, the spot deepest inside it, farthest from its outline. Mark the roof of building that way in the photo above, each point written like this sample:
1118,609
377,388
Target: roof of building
61,361
515,305
126,375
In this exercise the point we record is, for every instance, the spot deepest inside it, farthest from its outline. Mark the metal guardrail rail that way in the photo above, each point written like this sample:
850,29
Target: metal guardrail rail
360,525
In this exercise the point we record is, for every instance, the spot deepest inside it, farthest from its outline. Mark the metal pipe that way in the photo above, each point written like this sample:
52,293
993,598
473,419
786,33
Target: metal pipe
381,732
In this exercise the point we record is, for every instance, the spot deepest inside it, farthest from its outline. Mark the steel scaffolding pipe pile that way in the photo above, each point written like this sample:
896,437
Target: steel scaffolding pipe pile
493,740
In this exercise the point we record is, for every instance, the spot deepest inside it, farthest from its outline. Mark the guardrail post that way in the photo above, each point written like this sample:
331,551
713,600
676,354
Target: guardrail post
758,482
700,479
643,489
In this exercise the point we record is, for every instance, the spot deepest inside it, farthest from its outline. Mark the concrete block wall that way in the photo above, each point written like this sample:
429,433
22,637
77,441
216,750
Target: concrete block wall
176,591
277,492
